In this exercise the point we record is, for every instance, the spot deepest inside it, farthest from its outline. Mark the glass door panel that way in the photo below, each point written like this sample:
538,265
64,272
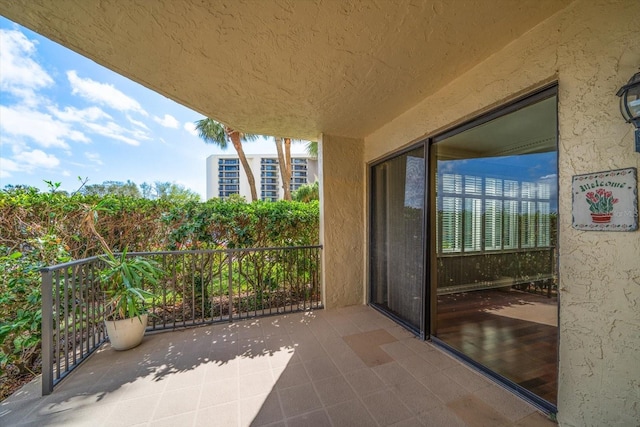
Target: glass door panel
397,237
496,239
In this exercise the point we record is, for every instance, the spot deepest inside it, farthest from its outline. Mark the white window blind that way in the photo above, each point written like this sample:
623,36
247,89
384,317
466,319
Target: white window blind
544,224
528,214
485,213
472,224
493,224
510,224
451,224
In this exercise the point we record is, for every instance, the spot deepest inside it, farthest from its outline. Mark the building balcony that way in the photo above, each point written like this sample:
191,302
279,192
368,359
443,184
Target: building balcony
341,367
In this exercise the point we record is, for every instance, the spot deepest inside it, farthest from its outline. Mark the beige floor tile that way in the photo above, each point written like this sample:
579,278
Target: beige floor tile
260,410
256,383
397,350
475,413
283,357
321,368
334,344
443,387
176,402
364,381
312,419
416,366
309,349
386,408
134,411
392,373
469,379
187,378
441,417
292,376
416,397
220,370
226,415
367,346
536,420
293,370
185,419
334,390
299,400
410,422
505,403
350,414
253,364
347,361
438,359
219,392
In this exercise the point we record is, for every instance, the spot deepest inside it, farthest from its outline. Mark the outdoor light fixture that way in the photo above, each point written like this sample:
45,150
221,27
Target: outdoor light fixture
630,104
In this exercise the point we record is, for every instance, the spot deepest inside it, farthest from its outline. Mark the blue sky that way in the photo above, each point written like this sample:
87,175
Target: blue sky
63,116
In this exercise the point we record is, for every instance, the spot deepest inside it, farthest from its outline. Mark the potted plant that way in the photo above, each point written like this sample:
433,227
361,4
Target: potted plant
123,280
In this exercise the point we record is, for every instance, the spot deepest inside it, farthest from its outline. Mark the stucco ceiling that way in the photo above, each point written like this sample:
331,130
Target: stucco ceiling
290,67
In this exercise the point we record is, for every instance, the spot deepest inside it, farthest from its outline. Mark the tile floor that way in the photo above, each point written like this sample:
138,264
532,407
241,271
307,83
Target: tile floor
346,367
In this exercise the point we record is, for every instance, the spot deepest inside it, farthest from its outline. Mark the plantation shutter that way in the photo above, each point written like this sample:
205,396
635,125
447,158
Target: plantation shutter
451,213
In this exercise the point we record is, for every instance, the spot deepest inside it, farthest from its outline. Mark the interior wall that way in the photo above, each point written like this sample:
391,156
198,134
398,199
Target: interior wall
342,226
591,48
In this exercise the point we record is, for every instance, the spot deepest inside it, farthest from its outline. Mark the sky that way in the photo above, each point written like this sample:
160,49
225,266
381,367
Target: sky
62,116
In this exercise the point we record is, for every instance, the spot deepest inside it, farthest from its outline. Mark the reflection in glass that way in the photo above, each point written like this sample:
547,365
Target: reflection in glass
496,204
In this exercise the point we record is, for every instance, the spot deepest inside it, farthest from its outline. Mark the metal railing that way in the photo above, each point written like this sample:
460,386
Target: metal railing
198,287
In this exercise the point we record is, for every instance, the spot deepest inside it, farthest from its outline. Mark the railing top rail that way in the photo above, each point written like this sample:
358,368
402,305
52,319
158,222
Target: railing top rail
74,263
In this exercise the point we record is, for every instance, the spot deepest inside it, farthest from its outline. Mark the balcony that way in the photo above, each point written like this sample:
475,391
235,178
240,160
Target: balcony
344,367
228,347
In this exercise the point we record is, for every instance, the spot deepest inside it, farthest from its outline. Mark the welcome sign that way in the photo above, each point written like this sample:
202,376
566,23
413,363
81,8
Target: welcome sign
606,201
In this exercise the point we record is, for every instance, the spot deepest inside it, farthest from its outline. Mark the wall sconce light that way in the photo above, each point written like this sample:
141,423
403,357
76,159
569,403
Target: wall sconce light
630,104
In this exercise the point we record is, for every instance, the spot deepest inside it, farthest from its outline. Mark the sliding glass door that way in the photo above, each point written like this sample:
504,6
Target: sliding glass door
397,254
476,270
496,268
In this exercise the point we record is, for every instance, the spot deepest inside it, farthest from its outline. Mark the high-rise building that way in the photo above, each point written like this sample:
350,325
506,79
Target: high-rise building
225,175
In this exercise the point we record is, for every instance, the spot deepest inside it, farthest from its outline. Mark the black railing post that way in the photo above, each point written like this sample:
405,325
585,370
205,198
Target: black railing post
230,264
47,332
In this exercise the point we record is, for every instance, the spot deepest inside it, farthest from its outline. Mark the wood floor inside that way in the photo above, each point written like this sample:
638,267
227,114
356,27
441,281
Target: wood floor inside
513,333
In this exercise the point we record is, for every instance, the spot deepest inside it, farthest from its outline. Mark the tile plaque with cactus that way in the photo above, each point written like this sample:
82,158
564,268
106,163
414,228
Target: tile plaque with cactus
606,201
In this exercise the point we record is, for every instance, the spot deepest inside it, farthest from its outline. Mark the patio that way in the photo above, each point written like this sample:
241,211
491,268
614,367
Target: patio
344,367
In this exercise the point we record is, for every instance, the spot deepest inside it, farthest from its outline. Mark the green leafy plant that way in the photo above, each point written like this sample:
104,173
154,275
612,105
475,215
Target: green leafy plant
124,279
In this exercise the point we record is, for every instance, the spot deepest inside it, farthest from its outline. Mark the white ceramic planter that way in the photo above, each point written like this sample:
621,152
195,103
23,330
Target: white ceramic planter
127,333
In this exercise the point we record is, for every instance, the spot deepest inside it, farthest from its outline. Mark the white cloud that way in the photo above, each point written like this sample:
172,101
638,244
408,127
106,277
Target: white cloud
93,158
27,161
552,176
137,122
191,128
102,93
7,166
72,114
114,131
41,128
38,159
168,121
21,75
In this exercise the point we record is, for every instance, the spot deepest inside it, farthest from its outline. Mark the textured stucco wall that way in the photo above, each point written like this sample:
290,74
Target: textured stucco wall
591,48
342,220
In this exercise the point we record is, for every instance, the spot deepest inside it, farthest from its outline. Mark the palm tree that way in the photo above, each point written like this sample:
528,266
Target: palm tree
213,132
312,149
284,158
285,167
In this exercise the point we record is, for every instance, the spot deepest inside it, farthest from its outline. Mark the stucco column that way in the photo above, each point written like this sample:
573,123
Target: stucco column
342,226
